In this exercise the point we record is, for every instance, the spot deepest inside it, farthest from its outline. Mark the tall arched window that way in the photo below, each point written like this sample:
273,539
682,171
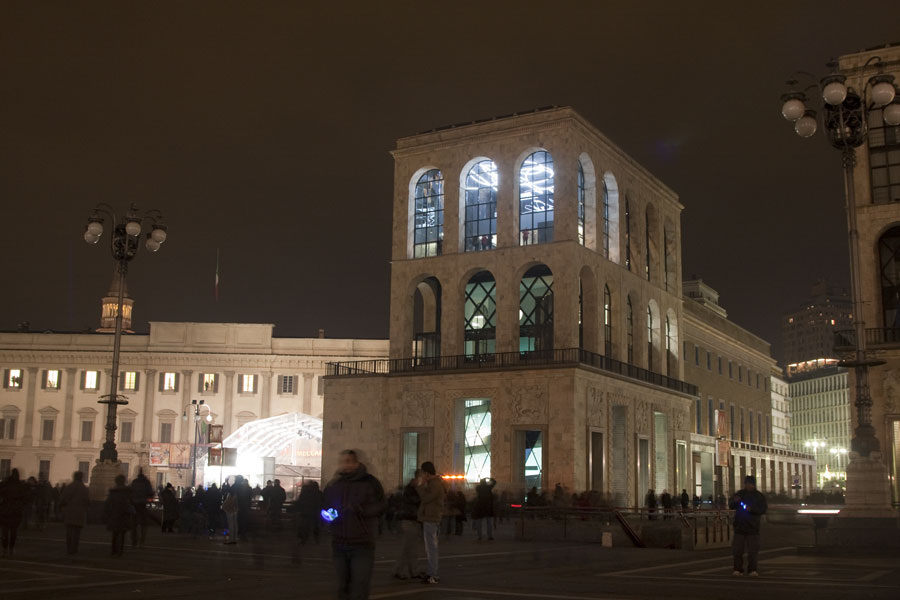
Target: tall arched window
536,199
629,330
669,341
889,263
480,315
581,196
429,214
627,234
607,322
480,190
649,339
610,233
536,310
647,244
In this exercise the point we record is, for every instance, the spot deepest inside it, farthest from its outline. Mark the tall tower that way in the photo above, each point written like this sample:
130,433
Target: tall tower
109,307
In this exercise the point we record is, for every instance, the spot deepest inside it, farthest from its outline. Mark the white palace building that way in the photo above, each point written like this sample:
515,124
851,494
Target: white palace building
264,390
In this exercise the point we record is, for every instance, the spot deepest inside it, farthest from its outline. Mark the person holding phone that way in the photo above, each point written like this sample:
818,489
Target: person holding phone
748,504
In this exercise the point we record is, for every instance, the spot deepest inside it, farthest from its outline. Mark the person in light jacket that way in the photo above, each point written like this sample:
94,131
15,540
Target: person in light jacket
74,501
431,491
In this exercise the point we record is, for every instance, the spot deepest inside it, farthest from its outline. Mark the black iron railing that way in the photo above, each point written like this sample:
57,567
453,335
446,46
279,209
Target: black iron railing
504,360
846,339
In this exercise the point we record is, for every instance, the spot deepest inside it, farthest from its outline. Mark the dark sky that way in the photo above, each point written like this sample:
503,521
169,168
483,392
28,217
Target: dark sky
263,129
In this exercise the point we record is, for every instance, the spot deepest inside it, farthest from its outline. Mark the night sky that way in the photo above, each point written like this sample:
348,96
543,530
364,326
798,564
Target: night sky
263,129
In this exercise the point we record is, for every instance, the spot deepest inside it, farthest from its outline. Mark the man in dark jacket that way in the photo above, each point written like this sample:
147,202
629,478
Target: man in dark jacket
141,493
748,505
354,500
407,516
484,506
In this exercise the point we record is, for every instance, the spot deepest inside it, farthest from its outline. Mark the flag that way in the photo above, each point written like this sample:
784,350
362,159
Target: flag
217,274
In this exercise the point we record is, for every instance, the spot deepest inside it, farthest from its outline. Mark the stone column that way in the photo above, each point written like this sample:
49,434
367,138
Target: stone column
452,320
149,399
69,407
453,217
507,205
507,317
186,426
30,385
565,196
229,402
266,397
565,307
307,393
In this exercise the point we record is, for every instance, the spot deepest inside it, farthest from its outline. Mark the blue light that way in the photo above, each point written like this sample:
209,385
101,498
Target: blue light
329,514
744,506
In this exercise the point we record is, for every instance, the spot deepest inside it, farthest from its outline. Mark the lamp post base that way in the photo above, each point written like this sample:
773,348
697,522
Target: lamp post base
103,477
868,489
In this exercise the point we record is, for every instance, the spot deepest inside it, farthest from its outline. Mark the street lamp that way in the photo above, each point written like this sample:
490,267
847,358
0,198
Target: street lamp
814,445
124,240
845,119
196,406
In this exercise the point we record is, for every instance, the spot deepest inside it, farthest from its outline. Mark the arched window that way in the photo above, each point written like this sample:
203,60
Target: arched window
607,322
651,245
427,319
669,341
480,314
536,199
629,330
581,196
480,190
429,215
889,263
670,246
627,234
610,233
536,310
649,339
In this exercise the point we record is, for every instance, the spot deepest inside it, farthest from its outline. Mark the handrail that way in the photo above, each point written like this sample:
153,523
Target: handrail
878,336
501,360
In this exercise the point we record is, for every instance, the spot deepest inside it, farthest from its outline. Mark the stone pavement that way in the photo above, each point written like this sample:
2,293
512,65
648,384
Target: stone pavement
177,566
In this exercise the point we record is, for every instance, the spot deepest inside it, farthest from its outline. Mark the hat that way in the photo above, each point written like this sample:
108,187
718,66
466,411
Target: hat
428,467
750,479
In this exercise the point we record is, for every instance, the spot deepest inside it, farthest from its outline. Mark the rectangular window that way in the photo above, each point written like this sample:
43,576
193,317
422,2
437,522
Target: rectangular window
751,426
697,355
44,470
730,370
709,361
47,426
91,380
710,417
87,431
248,384
742,424
757,381
209,383
169,382
699,416
740,373
85,468
126,429
732,422
761,439
5,468
10,428
13,379
125,467
51,380
165,433
129,381
288,384
720,365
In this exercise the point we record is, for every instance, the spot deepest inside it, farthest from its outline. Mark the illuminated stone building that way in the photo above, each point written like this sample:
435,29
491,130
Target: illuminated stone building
877,191
535,316
732,369
52,425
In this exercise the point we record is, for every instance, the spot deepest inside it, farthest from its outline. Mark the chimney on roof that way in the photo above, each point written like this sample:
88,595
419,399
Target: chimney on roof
321,334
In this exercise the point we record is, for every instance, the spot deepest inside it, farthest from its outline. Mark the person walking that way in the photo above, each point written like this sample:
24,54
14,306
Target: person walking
230,508
14,497
141,493
685,500
276,499
118,512
431,494
308,508
483,510
748,505
74,501
170,508
666,500
410,531
354,499
244,496
650,503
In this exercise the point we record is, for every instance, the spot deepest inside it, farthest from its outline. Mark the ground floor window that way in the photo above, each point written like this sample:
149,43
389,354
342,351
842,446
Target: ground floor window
44,470
415,449
85,468
474,438
529,457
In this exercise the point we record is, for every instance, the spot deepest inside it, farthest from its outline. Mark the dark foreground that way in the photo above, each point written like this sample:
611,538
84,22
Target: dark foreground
174,565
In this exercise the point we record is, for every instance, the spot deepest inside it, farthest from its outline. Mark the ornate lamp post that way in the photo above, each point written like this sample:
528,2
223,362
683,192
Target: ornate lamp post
196,405
124,241
845,117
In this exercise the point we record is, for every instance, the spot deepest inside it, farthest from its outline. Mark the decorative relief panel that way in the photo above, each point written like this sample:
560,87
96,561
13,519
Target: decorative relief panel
891,386
418,409
528,404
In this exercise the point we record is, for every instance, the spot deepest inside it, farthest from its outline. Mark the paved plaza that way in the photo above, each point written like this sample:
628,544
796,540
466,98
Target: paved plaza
177,566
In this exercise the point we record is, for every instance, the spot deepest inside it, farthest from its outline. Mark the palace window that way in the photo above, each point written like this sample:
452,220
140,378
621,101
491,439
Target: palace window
480,192
170,382
247,384
51,380
428,233
581,198
13,379
536,186
629,330
129,381
90,380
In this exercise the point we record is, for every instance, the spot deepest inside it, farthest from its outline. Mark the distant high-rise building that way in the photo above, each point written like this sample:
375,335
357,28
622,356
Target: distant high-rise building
808,333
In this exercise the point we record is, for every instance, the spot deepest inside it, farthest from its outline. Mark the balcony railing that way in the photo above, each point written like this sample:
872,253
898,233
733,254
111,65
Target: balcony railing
846,339
505,360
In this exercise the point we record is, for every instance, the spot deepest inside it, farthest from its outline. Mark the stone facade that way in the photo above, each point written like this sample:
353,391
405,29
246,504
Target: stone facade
227,352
